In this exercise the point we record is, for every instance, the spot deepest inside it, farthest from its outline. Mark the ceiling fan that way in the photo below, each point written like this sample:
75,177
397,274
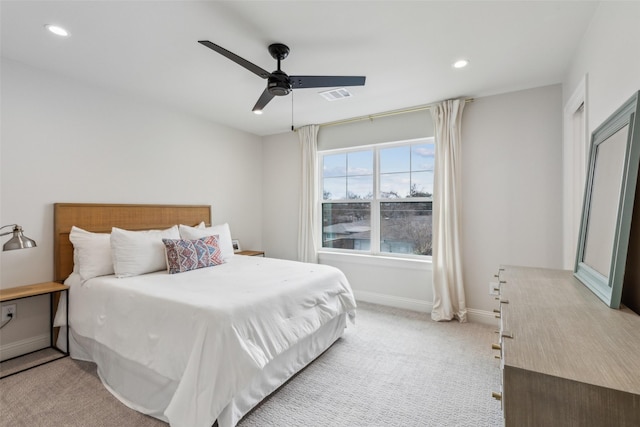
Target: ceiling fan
278,82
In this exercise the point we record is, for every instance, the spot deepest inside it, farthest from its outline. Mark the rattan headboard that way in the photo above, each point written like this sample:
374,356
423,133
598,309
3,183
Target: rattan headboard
99,218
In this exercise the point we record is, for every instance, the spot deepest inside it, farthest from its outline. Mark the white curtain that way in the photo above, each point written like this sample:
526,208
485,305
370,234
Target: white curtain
307,233
448,289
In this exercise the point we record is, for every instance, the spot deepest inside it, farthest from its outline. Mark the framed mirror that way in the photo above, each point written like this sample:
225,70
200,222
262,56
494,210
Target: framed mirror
608,204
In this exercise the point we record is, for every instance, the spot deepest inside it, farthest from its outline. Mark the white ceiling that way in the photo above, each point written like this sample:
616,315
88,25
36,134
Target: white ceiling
150,49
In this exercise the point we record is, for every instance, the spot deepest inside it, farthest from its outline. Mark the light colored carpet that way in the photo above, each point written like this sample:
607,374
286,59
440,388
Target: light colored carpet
393,368
12,366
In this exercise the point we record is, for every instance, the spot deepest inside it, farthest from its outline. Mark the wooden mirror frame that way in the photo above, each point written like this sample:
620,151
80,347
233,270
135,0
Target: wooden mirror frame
608,287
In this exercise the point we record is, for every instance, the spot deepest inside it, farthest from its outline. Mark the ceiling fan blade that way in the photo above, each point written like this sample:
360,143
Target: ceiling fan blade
235,58
263,100
302,82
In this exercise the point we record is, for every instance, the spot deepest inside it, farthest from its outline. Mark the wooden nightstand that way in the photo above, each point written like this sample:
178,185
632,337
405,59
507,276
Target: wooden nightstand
29,291
251,253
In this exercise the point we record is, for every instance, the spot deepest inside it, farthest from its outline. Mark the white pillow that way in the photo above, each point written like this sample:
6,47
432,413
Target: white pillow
91,253
222,231
139,252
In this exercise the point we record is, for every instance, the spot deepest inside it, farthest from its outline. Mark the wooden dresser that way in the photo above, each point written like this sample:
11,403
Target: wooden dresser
567,359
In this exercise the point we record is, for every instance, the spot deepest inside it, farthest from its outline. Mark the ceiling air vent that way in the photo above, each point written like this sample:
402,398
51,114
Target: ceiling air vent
335,94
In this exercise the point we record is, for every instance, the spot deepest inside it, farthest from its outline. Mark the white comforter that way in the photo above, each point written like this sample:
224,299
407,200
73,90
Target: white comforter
212,329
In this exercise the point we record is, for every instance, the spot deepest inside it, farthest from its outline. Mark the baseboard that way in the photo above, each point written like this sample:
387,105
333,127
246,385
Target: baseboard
473,315
482,316
394,301
25,346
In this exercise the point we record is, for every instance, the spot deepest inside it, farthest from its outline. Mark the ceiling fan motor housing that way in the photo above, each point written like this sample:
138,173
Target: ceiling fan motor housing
279,84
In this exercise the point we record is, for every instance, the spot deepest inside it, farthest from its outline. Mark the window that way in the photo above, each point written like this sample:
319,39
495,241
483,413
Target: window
378,199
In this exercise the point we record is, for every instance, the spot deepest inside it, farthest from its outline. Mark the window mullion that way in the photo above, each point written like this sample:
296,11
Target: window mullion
375,204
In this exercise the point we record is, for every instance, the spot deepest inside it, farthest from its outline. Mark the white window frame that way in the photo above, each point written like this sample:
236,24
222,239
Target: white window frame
375,202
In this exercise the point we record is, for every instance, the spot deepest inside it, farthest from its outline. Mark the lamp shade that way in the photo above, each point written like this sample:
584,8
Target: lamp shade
18,241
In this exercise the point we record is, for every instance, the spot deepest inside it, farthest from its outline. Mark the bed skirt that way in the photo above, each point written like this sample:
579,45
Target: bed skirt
150,393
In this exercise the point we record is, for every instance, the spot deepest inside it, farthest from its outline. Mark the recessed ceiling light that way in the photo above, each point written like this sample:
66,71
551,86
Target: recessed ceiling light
460,63
57,30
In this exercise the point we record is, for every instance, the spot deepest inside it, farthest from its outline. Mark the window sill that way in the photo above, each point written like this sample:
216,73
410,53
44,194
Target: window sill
378,260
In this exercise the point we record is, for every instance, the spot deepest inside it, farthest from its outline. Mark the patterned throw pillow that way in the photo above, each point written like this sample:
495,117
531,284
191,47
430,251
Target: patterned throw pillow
186,255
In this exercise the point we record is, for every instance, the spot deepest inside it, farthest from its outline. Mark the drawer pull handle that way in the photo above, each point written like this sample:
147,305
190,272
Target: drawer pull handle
496,347
496,310
496,395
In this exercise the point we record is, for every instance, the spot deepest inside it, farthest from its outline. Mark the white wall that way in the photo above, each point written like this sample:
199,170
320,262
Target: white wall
512,186
281,189
512,151
65,141
608,53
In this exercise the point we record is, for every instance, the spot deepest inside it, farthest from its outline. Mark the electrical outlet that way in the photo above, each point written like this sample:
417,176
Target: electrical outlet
493,288
8,309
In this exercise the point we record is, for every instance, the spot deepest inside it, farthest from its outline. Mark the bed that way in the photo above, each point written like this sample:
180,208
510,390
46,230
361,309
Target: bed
205,345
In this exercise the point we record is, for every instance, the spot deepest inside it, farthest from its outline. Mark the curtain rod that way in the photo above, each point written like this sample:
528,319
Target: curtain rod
385,114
